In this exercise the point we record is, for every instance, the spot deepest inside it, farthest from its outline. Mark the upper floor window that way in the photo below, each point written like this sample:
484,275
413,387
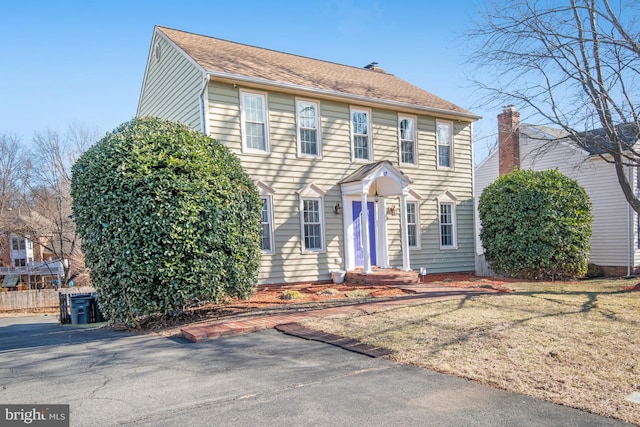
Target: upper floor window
308,128
20,262
18,244
407,140
255,130
444,139
361,134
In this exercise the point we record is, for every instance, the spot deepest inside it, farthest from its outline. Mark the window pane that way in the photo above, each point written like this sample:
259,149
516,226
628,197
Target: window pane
412,224
446,225
360,135
407,151
361,147
308,140
312,226
413,238
406,129
255,136
444,144
265,232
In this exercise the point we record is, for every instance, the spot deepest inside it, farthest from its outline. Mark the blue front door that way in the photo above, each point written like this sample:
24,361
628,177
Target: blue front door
357,235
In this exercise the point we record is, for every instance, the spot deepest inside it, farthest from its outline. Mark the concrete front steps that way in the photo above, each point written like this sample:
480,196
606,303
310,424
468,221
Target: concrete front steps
382,277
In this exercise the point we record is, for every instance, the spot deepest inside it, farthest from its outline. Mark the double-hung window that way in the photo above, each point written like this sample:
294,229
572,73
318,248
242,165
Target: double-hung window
312,224
255,129
361,134
266,236
447,225
407,128
311,218
308,128
445,144
412,224
18,244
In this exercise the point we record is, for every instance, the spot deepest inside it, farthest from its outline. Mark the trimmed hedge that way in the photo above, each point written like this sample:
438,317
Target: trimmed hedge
536,225
167,217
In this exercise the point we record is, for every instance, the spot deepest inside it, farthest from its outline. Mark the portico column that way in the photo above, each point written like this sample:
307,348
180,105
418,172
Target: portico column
404,233
364,231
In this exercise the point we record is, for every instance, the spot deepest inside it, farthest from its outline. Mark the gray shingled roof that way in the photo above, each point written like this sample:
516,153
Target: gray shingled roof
596,141
234,59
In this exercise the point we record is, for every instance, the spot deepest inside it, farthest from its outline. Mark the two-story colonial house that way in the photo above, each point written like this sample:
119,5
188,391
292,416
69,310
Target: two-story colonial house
356,167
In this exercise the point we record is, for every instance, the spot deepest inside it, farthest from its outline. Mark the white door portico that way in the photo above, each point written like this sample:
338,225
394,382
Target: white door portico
366,189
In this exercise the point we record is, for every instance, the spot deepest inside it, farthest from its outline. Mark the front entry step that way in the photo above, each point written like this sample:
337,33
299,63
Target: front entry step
381,277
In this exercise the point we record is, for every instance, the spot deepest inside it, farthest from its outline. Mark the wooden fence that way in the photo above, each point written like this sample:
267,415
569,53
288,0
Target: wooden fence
35,299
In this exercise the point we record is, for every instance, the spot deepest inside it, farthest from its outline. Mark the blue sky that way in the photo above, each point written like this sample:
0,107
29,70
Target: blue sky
82,62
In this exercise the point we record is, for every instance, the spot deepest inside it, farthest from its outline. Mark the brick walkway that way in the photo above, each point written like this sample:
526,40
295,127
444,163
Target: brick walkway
236,325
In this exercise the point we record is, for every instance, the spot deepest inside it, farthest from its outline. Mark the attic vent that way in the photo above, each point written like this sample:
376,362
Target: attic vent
156,52
374,67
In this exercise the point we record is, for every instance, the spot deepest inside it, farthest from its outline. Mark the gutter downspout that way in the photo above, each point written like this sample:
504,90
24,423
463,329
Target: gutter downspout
203,104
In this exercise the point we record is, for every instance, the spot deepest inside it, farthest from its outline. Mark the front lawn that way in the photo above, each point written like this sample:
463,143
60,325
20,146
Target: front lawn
577,344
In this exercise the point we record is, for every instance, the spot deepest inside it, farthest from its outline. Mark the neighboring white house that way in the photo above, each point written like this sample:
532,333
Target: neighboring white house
356,168
615,241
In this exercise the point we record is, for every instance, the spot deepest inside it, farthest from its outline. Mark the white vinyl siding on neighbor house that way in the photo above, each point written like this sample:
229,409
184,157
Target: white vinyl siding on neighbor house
253,116
362,145
444,138
407,136
308,126
171,87
610,228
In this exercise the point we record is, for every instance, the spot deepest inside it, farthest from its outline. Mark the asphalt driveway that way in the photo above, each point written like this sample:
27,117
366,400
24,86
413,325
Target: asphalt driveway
264,378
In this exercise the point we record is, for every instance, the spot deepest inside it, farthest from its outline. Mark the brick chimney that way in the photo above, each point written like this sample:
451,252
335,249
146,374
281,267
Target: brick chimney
508,139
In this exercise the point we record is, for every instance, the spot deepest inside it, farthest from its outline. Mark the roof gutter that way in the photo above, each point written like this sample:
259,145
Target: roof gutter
232,78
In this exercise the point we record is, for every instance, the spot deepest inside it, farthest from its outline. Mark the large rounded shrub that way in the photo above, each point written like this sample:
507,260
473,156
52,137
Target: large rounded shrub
536,224
167,218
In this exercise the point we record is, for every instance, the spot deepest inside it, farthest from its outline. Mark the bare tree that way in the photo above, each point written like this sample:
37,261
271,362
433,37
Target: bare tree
49,177
12,178
12,167
572,64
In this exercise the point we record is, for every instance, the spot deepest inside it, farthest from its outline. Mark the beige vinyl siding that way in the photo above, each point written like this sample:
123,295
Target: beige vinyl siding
287,173
171,88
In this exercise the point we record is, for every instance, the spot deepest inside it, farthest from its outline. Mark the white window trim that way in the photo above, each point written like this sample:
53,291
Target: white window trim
448,198
352,136
451,157
312,192
267,144
266,192
318,129
415,140
414,197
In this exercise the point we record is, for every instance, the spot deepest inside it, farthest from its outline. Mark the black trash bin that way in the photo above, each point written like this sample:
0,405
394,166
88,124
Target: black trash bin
96,315
80,308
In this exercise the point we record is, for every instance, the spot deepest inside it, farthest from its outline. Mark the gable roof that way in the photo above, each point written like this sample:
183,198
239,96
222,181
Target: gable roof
223,58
